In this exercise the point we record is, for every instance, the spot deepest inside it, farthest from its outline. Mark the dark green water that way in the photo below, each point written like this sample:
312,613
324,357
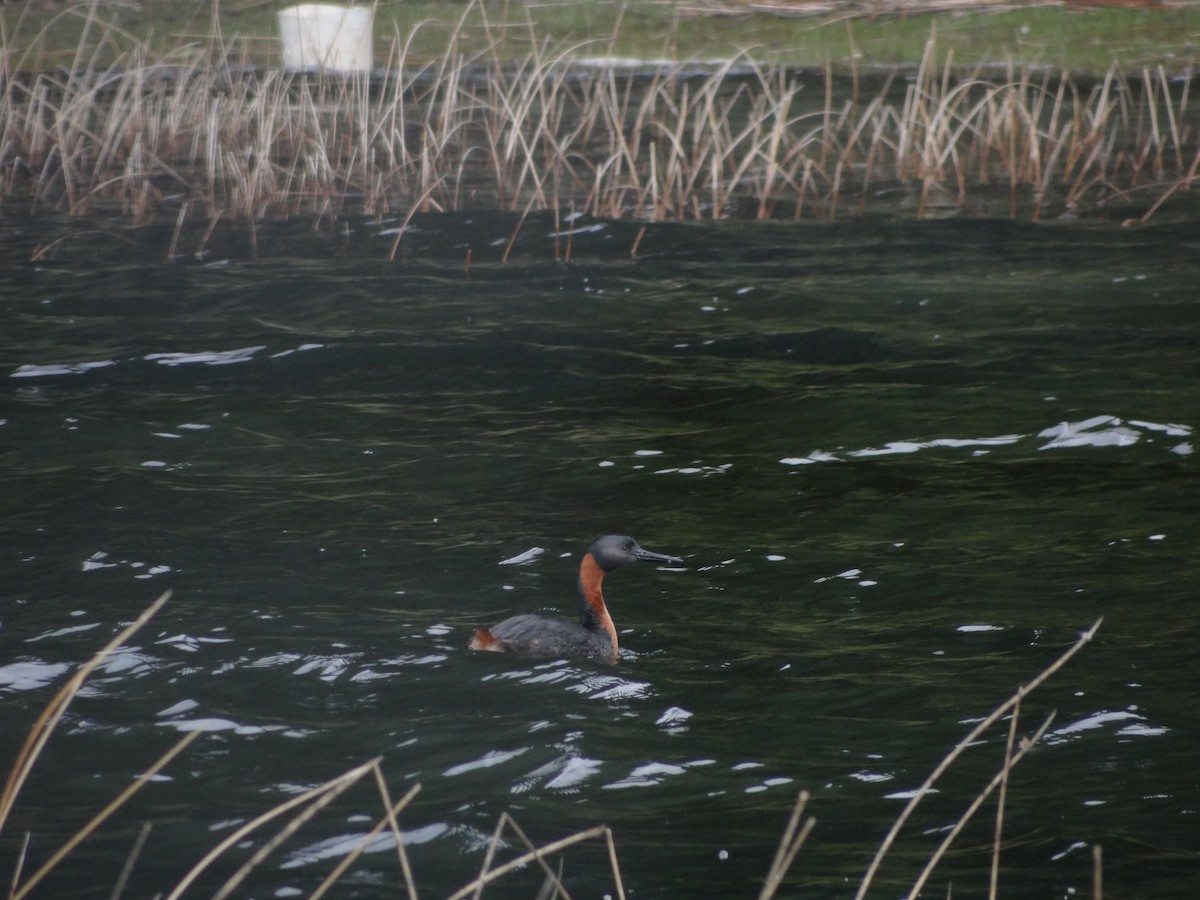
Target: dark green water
906,466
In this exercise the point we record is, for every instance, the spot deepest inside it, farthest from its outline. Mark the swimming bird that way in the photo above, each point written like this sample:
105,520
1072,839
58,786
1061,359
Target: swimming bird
594,635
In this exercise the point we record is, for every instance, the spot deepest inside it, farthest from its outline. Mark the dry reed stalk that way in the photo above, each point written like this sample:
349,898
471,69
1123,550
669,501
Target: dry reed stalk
512,239
611,844
790,843
19,866
488,855
539,854
962,745
320,797
742,150
393,809
388,821
852,145
662,180
322,794
127,869
297,822
780,124
835,191
652,186
1000,778
1042,187
805,183
35,742
794,836
557,234
552,878
994,878
257,144
183,209
412,211
1176,141
690,139
1150,95
619,167
101,817
570,235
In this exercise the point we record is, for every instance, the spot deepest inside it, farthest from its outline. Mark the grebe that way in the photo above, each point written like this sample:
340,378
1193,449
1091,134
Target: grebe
594,635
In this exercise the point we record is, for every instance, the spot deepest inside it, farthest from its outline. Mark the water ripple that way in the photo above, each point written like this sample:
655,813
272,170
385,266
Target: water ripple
486,761
1097,431
30,675
1132,724
340,845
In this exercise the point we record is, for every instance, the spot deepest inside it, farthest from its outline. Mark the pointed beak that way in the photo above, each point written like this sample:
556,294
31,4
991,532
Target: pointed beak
650,556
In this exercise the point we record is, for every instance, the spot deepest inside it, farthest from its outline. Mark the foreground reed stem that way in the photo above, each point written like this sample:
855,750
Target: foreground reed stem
986,723
35,742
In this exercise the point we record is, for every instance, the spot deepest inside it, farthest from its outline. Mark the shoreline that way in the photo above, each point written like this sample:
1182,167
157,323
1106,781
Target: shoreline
205,136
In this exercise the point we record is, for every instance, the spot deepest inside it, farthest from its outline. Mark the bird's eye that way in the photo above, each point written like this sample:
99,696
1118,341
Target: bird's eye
628,545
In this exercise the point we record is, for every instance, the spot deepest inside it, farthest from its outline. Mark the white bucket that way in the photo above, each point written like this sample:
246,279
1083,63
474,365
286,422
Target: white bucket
323,36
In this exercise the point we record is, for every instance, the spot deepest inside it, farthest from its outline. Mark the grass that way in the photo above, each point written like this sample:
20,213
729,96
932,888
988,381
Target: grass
868,33
199,134
305,806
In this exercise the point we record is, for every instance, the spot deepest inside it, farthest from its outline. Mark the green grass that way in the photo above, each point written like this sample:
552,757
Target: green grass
1084,42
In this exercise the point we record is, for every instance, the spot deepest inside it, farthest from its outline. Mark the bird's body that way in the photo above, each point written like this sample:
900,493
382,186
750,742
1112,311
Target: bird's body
594,635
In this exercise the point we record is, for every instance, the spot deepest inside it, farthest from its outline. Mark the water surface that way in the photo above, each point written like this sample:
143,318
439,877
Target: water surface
906,465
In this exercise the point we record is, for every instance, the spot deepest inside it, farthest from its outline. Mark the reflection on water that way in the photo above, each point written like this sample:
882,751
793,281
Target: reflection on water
905,468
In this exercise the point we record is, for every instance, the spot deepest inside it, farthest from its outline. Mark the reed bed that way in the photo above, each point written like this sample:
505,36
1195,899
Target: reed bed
201,135
296,811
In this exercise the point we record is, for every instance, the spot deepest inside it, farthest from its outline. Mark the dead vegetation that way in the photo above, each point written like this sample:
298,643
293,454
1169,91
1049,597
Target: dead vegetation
200,136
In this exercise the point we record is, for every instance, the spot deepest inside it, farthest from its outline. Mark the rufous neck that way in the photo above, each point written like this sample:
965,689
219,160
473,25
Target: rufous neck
593,614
